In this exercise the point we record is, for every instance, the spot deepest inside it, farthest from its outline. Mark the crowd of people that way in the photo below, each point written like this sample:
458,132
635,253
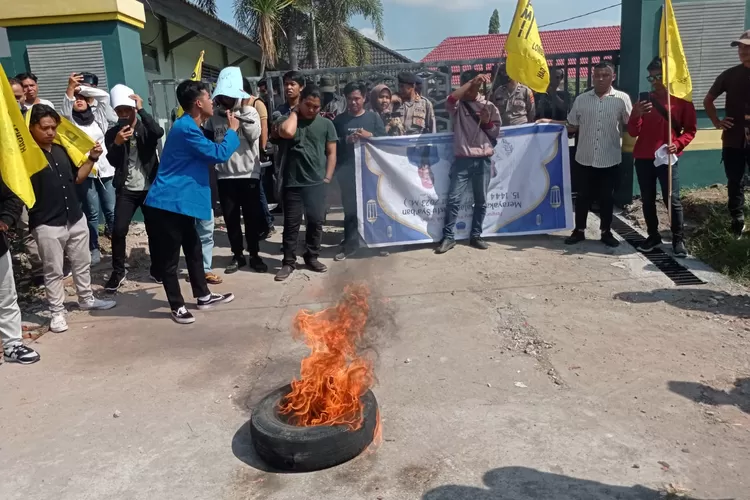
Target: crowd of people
217,150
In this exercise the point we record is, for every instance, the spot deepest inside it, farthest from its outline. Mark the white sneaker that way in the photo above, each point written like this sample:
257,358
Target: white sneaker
94,304
58,323
96,256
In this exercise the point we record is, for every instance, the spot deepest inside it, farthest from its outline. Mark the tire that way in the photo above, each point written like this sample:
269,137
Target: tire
301,449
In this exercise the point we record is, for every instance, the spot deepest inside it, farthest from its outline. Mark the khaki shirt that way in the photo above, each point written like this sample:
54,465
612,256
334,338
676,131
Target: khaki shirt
517,106
417,116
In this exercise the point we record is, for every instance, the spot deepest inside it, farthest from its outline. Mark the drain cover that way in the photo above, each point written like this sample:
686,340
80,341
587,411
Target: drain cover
664,262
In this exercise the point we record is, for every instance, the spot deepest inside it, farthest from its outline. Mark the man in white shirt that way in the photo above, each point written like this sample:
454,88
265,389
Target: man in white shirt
600,117
31,90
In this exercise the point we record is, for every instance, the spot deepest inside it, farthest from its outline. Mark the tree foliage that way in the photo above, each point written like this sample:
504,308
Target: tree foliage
494,23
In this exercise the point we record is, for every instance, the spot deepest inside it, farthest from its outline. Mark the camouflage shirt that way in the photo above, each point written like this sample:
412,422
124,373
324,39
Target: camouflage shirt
517,106
417,116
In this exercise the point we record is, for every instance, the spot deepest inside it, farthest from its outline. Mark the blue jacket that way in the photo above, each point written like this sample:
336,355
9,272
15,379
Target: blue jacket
182,183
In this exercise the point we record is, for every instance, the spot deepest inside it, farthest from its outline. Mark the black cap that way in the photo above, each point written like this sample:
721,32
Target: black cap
407,78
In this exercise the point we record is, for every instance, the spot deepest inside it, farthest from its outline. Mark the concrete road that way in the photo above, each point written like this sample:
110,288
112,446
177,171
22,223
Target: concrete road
527,372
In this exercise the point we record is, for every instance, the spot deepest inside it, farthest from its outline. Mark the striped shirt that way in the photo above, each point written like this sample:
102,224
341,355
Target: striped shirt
601,123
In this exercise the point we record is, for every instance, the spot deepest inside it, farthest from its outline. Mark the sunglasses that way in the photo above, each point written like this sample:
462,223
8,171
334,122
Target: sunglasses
653,78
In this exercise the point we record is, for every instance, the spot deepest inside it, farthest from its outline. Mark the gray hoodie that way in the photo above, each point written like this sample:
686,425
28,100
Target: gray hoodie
245,162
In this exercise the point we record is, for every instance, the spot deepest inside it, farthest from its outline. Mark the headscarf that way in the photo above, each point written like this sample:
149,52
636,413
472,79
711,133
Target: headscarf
84,117
375,97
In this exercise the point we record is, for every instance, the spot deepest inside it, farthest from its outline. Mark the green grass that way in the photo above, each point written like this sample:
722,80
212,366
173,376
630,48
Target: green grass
712,241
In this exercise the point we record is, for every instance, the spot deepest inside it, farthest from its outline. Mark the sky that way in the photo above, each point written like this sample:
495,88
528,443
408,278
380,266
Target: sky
425,23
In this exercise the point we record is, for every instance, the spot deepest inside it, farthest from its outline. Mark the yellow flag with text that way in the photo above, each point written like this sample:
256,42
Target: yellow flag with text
674,63
526,63
196,76
74,140
20,156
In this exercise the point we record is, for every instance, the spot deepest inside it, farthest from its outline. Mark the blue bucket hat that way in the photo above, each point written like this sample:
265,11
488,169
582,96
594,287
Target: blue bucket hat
230,84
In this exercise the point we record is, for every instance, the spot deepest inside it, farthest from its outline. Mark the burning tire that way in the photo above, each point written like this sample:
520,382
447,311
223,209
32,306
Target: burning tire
297,448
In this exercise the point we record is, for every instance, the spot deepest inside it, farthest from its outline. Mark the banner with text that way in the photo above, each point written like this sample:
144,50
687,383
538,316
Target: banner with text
402,186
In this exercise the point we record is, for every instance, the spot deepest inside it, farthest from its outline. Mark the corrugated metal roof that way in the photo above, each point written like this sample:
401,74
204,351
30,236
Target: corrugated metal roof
455,48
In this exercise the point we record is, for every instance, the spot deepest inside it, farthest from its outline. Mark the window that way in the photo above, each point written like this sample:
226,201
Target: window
210,73
706,30
150,58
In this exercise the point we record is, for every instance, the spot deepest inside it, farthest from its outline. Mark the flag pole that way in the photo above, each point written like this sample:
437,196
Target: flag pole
669,110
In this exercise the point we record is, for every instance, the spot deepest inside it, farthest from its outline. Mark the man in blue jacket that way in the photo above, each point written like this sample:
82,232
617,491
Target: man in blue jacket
181,193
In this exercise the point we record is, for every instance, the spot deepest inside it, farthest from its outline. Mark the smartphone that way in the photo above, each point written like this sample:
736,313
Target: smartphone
123,122
644,97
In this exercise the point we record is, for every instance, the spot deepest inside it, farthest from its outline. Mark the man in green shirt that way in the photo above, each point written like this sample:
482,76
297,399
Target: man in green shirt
308,169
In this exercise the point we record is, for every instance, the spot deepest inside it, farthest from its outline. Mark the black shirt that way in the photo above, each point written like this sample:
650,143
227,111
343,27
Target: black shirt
346,125
55,191
735,82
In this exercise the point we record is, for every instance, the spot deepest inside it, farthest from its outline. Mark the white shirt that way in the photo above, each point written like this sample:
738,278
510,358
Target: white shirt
94,130
601,123
41,101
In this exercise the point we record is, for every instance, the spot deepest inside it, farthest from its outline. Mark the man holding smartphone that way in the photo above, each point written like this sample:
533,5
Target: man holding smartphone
131,150
649,123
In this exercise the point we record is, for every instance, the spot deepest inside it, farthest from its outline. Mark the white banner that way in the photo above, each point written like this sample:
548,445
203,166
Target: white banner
402,186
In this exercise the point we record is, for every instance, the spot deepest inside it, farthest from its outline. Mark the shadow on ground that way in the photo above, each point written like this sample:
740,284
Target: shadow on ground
243,449
692,299
738,395
521,483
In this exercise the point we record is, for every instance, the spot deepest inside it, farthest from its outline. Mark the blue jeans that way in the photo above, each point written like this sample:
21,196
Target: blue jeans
463,172
97,195
205,230
264,205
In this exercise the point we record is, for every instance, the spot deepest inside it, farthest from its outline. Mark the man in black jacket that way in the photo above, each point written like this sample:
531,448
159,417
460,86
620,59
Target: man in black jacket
131,150
10,313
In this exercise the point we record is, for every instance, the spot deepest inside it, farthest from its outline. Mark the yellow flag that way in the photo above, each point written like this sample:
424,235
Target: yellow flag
20,156
674,63
74,140
526,62
196,76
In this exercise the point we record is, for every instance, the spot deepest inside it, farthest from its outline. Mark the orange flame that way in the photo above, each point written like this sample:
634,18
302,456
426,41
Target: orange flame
334,376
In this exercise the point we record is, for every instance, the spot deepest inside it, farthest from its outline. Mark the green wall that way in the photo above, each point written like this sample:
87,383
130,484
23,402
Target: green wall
121,47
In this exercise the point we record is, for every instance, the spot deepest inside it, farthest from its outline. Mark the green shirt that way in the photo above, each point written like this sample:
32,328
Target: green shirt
306,157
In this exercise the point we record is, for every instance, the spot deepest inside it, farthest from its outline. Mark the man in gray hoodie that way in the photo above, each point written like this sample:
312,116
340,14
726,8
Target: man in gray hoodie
239,179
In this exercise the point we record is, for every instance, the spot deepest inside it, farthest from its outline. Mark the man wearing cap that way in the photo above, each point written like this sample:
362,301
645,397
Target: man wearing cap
131,150
514,100
333,104
735,82
416,112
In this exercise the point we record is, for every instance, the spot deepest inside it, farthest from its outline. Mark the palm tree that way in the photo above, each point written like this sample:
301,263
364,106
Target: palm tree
261,19
206,5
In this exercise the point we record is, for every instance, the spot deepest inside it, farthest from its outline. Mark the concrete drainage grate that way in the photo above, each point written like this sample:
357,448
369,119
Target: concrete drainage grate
678,273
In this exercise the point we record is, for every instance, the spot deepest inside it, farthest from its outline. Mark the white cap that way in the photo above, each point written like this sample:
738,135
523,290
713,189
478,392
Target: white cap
120,94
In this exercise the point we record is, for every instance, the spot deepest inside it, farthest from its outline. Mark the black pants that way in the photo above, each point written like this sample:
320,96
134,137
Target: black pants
241,197
126,203
736,162
596,184
310,200
648,175
172,231
348,184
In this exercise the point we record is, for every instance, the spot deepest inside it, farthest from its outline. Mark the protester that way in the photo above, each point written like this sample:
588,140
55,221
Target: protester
476,127
555,103
415,112
380,103
600,116
56,220
181,193
294,82
239,177
10,313
649,123
351,126
263,154
309,167
132,151
31,90
735,83
97,190
514,100
333,104
17,89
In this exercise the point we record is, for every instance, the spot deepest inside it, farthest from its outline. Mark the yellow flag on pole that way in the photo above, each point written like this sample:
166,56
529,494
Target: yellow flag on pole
526,63
74,140
674,63
20,156
196,76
